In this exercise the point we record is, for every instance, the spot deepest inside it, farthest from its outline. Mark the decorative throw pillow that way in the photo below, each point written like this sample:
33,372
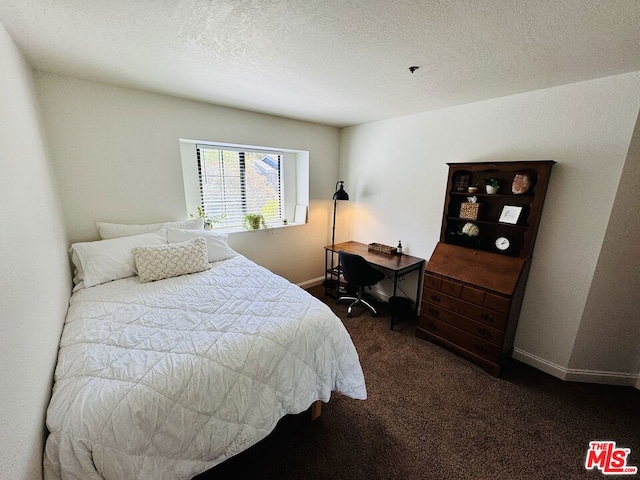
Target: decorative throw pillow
116,230
217,247
106,260
164,261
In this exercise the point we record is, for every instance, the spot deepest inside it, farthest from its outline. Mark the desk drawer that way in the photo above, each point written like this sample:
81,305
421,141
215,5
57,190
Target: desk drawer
479,329
460,338
495,319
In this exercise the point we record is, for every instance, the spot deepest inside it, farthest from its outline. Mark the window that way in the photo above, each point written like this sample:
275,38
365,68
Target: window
229,181
234,183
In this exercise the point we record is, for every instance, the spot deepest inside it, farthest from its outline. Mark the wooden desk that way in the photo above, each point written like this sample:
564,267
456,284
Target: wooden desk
398,264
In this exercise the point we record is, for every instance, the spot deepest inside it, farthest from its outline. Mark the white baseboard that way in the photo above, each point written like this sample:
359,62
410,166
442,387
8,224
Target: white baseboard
607,378
539,363
314,282
577,375
381,296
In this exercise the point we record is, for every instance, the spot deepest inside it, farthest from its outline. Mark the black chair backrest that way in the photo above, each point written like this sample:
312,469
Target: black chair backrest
357,271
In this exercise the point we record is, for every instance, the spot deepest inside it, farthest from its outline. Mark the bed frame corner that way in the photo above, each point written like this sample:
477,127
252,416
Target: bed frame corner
316,410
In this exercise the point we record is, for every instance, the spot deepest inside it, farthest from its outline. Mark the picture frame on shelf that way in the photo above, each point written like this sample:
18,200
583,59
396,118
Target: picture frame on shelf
462,182
510,214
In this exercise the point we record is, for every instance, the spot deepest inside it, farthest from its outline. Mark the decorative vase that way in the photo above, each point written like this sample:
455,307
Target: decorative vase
491,189
521,183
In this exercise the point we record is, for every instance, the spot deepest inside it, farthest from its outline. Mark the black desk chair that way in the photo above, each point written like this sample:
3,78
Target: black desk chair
358,273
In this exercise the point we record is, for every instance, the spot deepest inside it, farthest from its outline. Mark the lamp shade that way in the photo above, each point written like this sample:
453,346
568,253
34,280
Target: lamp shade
340,193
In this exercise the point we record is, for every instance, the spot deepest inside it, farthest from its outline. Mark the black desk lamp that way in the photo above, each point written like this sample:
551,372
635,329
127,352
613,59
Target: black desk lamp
339,194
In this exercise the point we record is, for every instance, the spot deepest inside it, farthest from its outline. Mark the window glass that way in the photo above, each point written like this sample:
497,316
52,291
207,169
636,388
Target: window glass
234,183
229,183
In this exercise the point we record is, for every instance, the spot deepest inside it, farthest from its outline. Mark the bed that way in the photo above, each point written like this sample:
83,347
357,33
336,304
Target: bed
165,379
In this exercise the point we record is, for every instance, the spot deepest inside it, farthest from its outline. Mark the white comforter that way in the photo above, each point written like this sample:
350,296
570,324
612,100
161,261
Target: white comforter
165,380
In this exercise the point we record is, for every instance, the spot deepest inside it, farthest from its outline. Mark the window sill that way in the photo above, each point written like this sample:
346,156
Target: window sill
226,230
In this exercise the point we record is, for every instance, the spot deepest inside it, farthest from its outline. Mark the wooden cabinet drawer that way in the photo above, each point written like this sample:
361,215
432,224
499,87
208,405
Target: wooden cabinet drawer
461,338
450,288
479,329
468,293
496,320
494,302
473,295
432,282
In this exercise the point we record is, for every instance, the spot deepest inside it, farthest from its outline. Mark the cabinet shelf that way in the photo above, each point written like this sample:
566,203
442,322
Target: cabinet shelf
509,226
497,195
336,272
521,235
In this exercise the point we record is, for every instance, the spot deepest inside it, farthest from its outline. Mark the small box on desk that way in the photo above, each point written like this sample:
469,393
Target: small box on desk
380,248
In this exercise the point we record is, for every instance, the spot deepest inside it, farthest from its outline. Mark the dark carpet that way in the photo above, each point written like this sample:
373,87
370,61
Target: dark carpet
431,414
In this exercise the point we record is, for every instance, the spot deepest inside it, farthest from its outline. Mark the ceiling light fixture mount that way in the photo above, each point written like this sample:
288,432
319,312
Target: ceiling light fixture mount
413,68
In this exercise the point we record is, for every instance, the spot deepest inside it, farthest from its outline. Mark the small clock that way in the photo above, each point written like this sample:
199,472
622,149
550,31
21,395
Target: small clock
503,243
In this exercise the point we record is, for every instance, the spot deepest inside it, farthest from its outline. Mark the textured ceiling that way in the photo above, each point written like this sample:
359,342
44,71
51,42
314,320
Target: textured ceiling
338,62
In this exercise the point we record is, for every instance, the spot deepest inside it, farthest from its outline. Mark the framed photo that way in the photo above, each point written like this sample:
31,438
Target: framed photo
510,214
461,182
300,215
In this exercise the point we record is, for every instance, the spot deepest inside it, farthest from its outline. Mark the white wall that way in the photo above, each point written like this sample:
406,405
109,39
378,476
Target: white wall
35,286
116,154
395,171
611,320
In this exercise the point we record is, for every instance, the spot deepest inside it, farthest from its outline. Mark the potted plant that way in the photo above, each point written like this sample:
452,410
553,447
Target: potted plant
253,221
209,220
491,185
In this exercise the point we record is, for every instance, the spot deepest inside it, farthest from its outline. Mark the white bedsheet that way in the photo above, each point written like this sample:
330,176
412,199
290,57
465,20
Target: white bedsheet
165,380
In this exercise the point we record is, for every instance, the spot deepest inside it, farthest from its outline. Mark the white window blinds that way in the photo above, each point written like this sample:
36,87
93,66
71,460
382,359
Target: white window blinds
234,183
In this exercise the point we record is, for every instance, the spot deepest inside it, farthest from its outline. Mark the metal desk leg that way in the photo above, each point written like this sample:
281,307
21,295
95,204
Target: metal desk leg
395,290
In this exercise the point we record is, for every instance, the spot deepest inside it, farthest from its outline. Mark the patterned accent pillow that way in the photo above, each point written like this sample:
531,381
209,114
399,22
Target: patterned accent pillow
157,262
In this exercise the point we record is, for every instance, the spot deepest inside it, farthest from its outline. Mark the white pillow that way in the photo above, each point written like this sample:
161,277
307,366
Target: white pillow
106,260
158,262
116,230
217,247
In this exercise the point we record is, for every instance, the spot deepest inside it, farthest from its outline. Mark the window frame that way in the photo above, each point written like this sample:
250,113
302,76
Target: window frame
293,181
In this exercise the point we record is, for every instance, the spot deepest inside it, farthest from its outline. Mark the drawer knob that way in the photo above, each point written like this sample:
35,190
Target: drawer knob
434,312
435,298
486,317
484,333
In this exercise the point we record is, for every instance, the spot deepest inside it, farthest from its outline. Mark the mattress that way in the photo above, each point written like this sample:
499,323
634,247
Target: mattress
165,380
